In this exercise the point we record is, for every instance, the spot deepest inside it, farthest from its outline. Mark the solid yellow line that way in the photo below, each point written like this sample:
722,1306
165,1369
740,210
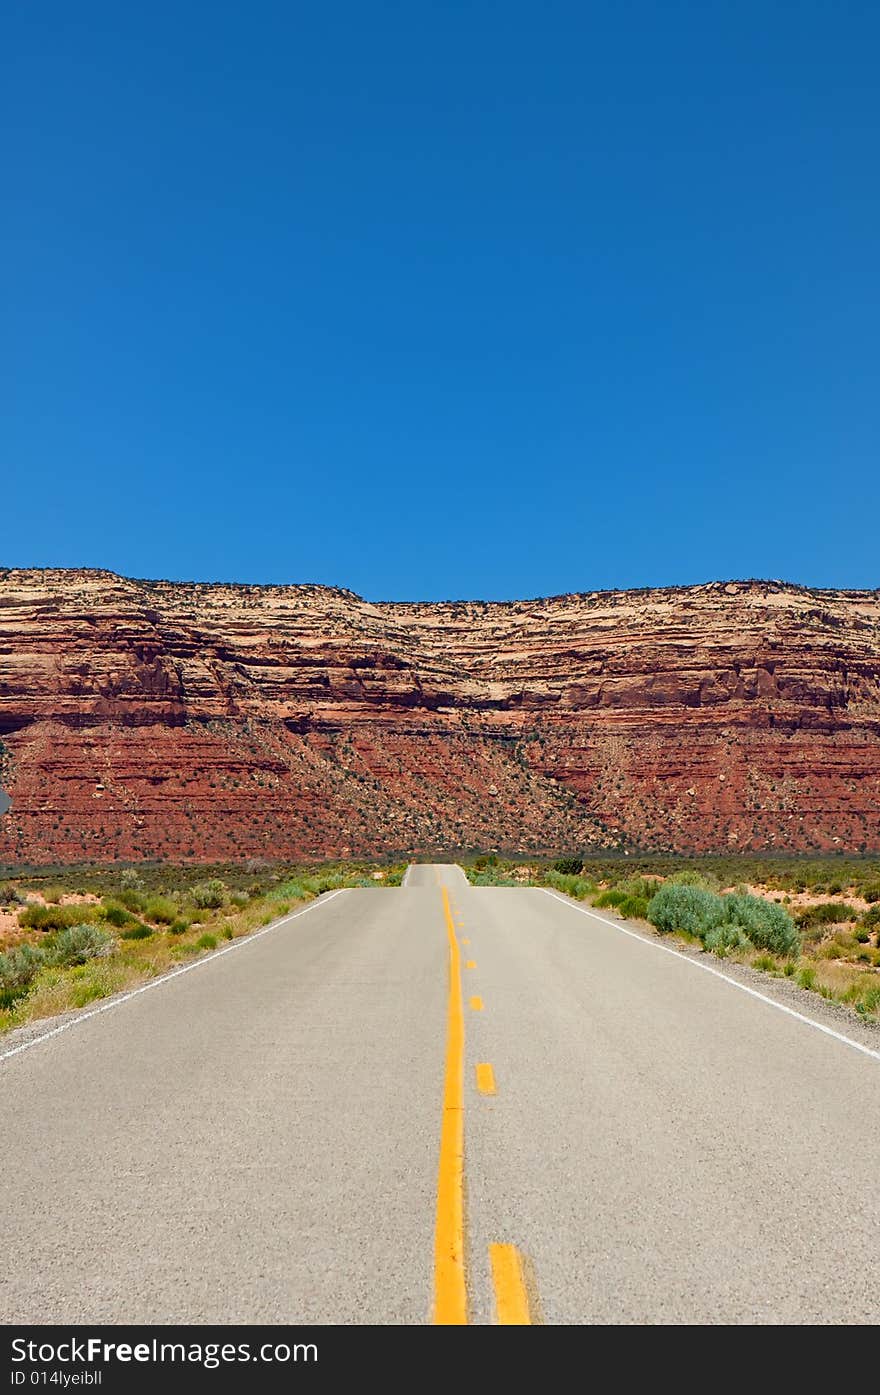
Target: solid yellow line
511,1299
471,964
450,1293
485,1078
477,1004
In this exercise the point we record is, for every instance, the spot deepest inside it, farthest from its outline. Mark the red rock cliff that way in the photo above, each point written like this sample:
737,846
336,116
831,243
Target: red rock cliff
153,719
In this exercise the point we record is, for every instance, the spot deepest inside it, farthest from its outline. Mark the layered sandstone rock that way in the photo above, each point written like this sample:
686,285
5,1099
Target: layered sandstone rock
152,719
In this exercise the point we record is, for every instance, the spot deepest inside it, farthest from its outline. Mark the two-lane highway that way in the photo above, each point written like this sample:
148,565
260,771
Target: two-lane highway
441,1101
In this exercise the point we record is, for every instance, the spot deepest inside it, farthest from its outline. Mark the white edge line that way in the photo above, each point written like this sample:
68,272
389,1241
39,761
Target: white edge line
406,874
175,973
716,973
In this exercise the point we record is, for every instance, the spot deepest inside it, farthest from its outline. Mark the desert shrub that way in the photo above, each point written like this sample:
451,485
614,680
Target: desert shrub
137,931
826,913
9,896
131,880
489,877
862,936
707,881
178,927
765,923
239,899
765,963
209,895
577,887
871,918
685,906
807,976
132,899
76,944
118,916
161,910
572,866
52,894
18,968
871,893
612,897
635,907
46,918
206,942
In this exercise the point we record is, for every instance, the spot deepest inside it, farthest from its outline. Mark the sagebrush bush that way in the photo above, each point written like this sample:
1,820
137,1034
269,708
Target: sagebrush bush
724,937
684,906
764,922
18,968
209,895
571,866
131,880
206,942
871,892
9,896
77,944
178,927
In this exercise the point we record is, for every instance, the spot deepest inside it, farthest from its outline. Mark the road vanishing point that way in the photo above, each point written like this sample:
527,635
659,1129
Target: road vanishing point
445,1104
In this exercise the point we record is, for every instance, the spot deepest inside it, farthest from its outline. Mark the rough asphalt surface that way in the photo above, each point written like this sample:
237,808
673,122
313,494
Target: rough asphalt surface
257,1140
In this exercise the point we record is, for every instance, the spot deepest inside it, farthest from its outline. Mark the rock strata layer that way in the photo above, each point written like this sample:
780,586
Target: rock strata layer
144,720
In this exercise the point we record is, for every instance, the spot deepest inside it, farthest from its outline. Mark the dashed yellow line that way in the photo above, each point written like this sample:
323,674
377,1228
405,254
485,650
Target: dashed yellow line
471,964
511,1298
477,1004
485,1078
450,1291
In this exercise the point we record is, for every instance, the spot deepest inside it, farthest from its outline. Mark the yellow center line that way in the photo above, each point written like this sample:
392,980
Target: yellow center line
477,1004
450,1292
485,1078
511,1298
465,942
471,964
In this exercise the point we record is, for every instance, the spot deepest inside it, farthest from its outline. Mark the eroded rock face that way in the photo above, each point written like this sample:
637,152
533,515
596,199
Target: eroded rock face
152,719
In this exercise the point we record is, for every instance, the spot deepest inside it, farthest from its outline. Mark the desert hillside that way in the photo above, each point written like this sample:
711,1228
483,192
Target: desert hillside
155,719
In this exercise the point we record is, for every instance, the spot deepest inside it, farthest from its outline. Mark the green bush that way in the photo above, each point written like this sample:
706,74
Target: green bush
871,918
239,899
77,944
52,894
178,927
826,913
764,922
872,893
684,906
18,968
132,899
131,880
206,942
46,918
9,896
161,910
138,931
577,887
209,895
707,881
612,897
571,866
118,916
634,907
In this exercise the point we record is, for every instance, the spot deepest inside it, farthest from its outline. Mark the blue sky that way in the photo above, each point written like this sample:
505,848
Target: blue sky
431,300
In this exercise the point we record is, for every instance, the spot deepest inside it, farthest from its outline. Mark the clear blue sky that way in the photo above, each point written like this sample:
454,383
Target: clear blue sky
452,299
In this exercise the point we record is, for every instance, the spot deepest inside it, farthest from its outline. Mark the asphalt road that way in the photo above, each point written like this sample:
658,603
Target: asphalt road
271,1137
